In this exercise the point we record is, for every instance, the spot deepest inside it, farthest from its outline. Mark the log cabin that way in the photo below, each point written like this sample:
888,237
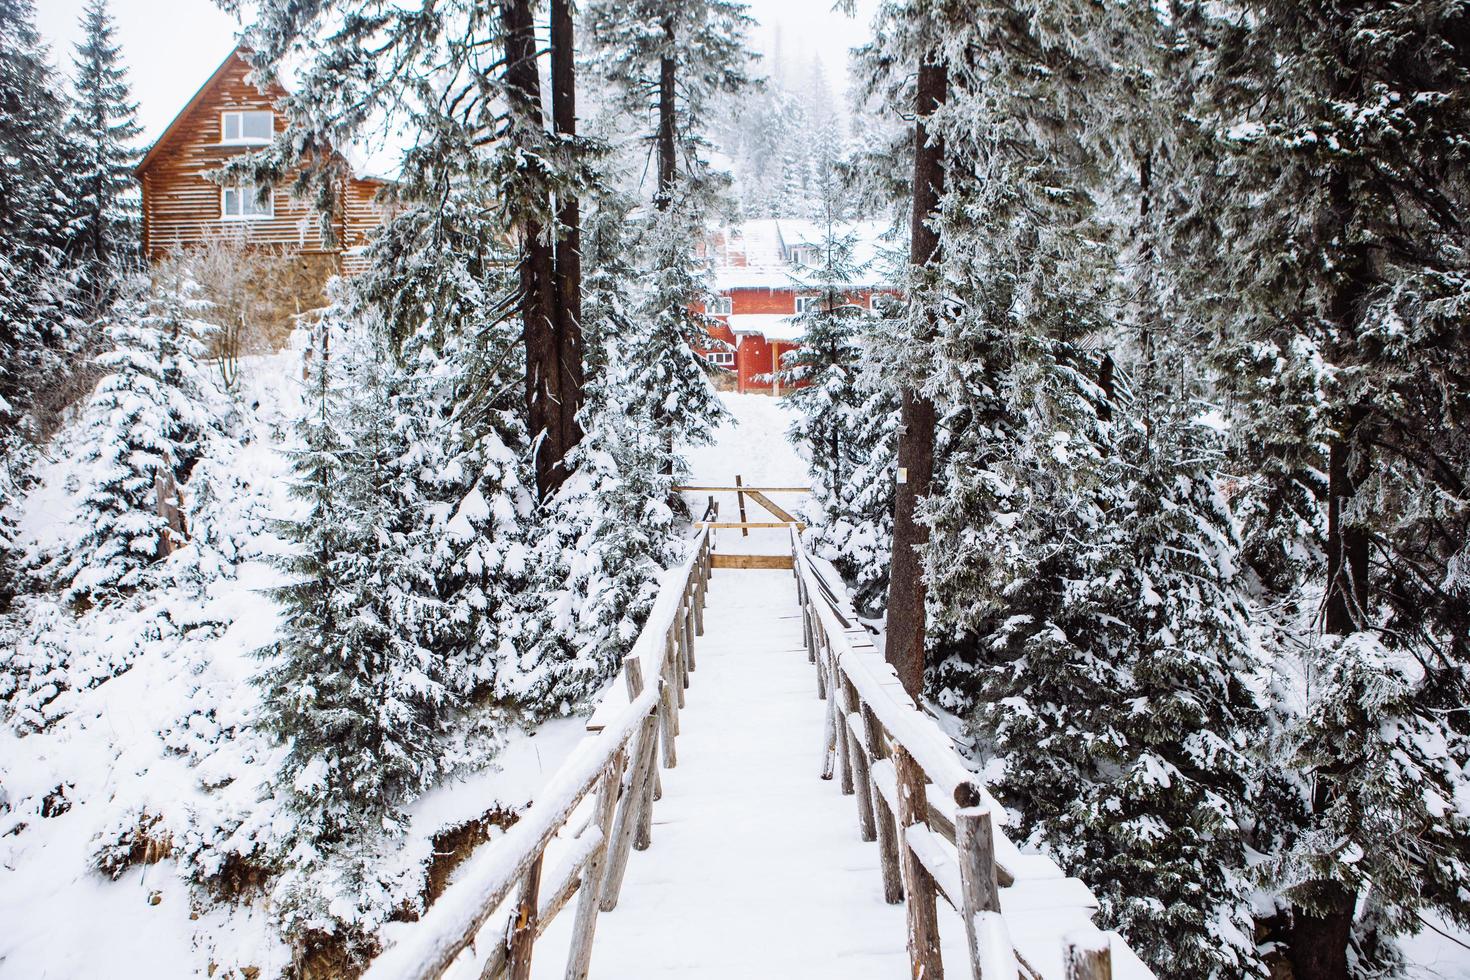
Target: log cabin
183,209
756,269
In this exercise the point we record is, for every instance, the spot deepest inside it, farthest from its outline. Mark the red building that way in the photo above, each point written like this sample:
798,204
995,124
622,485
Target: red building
758,269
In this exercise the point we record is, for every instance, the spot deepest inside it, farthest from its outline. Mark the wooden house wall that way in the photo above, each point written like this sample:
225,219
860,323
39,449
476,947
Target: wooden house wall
182,208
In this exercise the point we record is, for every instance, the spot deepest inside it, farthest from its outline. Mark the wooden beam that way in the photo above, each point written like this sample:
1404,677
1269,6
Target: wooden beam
751,561
737,524
742,489
740,500
765,502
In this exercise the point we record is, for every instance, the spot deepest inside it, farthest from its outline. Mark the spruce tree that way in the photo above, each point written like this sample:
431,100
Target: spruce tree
38,329
1322,184
104,129
821,375
144,423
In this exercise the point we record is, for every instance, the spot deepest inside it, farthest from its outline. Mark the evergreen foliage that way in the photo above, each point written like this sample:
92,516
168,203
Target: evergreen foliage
145,421
104,131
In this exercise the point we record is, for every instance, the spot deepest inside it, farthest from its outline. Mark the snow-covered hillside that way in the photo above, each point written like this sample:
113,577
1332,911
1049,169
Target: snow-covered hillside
133,785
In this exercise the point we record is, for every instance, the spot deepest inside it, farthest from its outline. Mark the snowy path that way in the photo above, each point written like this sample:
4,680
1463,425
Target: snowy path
756,868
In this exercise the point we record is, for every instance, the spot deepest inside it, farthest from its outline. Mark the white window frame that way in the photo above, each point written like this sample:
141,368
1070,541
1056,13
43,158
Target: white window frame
723,358
808,304
245,192
803,255
721,306
238,115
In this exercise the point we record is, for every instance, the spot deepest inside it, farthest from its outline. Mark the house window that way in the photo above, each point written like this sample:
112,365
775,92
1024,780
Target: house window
241,202
247,128
803,255
720,306
723,358
808,304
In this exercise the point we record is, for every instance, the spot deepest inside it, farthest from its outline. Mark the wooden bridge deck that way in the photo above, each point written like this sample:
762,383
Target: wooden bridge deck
756,869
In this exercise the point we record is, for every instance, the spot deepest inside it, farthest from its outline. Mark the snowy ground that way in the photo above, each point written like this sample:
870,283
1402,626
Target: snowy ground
756,868
753,446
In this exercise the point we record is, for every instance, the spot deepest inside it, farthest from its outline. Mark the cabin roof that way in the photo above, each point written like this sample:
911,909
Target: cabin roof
366,164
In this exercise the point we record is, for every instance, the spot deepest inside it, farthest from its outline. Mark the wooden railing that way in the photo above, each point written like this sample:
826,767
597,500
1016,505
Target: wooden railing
619,763
935,825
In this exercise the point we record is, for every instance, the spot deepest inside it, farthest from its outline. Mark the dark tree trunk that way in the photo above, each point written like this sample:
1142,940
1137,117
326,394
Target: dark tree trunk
1320,937
568,258
537,279
906,592
667,121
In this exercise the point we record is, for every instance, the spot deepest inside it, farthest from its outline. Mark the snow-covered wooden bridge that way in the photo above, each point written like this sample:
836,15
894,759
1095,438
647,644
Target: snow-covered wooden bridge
757,797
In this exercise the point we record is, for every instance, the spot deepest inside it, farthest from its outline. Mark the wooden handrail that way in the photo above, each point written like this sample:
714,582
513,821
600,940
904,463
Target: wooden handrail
619,762
741,489
939,831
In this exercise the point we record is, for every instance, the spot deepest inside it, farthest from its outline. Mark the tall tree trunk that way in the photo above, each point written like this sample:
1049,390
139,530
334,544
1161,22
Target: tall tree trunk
537,280
906,591
1320,935
568,259
667,144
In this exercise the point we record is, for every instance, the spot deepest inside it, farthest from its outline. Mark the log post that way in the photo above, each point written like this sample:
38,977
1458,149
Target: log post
676,657
861,773
698,602
975,842
584,929
830,735
839,702
921,907
886,826
740,501
824,651
634,813
691,630
1086,958
669,717
521,940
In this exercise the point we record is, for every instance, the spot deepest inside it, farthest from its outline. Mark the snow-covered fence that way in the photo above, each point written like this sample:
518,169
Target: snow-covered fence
619,764
937,828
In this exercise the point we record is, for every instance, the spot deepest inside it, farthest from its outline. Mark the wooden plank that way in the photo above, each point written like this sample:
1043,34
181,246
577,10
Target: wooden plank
769,505
740,501
732,525
743,489
750,561
1087,958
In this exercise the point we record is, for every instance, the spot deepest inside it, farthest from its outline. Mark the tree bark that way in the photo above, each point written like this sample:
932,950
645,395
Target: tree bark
906,591
537,275
1320,935
667,121
568,257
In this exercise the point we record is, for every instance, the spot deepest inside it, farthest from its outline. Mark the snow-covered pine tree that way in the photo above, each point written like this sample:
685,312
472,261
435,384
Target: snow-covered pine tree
1323,191
144,425
668,58
820,376
480,132
1074,551
858,537
434,293
37,327
104,130
671,385
608,531
351,685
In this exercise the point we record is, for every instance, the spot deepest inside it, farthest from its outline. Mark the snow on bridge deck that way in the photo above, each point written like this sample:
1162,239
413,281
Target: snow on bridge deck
756,868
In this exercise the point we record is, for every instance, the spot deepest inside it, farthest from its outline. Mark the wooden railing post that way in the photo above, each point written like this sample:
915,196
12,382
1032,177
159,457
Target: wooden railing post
921,907
1086,959
521,941
861,773
632,824
975,842
883,817
584,929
